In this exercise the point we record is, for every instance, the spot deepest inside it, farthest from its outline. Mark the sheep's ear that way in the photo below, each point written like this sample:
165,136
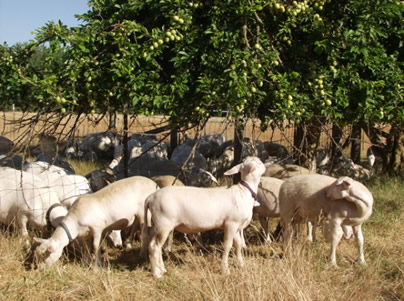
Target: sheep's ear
51,247
233,170
211,176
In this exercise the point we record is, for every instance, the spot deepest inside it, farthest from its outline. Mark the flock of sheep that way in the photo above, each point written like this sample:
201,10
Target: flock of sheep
179,193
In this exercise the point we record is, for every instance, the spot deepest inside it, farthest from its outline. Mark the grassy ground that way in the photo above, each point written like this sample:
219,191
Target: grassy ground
272,272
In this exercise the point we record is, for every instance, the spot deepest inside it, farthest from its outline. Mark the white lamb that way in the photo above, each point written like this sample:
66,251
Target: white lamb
193,209
114,207
343,203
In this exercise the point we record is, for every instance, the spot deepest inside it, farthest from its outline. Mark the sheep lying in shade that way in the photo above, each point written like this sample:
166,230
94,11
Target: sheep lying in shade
114,207
343,202
193,210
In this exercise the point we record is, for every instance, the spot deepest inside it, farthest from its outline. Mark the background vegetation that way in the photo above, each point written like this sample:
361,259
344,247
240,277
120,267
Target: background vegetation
312,62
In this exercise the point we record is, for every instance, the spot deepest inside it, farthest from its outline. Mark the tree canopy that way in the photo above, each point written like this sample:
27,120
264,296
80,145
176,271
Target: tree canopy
274,60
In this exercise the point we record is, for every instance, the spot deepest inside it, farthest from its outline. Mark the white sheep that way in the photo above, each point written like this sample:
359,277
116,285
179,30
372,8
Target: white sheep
115,207
342,202
284,171
192,210
268,199
68,187
24,198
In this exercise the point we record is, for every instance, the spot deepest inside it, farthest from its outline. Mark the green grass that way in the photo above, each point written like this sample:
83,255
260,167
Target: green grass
272,272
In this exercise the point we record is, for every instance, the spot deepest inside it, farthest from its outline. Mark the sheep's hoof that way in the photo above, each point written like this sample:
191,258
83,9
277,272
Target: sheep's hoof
158,275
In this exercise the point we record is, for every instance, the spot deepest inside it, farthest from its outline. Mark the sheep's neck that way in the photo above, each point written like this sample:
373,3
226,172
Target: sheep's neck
65,232
253,193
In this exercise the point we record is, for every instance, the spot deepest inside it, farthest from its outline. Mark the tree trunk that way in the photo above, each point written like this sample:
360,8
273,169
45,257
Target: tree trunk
356,143
125,140
112,120
238,146
336,146
306,141
173,140
395,145
298,141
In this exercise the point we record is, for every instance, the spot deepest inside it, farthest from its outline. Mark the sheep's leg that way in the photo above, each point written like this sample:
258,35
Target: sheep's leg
229,232
311,231
333,233
96,247
242,239
264,224
147,232
359,239
155,252
286,226
169,242
22,221
238,244
154,258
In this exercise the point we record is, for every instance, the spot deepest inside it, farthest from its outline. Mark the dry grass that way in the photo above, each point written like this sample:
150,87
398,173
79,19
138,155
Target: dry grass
272,272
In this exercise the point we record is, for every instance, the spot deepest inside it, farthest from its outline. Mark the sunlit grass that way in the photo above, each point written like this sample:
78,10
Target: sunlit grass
272,272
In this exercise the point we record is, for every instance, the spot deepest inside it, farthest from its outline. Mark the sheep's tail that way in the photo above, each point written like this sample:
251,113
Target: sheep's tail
146,230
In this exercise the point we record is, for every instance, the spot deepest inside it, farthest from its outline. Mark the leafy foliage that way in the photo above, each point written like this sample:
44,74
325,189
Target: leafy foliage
274,60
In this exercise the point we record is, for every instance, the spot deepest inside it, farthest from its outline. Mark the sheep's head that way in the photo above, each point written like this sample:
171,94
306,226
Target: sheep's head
251,167
47,253
100,178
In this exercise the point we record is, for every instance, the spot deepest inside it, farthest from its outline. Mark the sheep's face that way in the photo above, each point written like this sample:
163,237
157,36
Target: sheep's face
250,168
47,253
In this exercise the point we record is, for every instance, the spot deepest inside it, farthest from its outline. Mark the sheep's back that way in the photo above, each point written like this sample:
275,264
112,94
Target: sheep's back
304,195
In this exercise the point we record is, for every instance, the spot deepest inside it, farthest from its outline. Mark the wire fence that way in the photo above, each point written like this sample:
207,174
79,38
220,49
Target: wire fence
24,128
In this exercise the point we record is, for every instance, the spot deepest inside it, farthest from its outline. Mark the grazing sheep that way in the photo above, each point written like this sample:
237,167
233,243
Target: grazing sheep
193,210
50,149
115,207
181,154
219,165
285,171
377,158
25,199
141,146
38,167
150,167
276,150
6,145
11,160
342,202
99,146
268,199
167,180
209,144
68,187
346,167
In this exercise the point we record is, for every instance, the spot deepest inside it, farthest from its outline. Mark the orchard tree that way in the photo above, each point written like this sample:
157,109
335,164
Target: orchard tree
311,62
